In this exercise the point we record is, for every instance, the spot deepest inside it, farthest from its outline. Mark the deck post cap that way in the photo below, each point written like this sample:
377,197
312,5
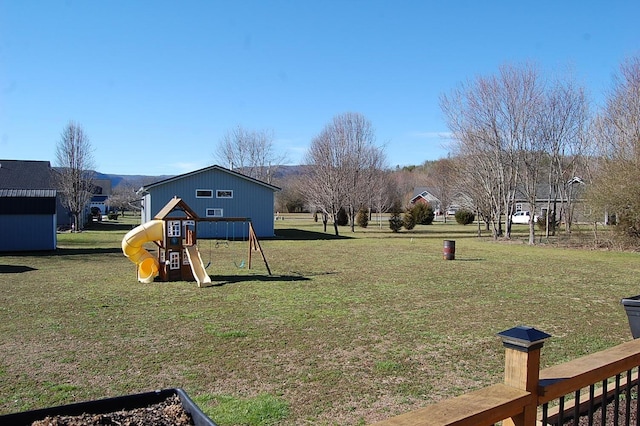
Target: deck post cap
523,338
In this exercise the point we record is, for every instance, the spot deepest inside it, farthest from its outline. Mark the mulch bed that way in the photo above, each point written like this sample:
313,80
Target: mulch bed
169,412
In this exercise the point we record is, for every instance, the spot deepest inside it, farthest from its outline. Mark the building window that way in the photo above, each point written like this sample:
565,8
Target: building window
224,193
204,193
214,213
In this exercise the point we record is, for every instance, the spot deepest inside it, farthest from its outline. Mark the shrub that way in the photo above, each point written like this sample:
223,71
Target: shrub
627,225
465,217
395,222
343,217
409,220
362,219
112,215
424,213
553,223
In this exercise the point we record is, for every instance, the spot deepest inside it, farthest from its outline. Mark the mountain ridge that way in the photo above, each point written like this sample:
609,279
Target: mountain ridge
141,180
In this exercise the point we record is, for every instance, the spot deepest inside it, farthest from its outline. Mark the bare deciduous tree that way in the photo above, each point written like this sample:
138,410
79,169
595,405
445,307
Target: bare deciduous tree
124,197
490,120
291,197
563,126
251,152
616,185
343,163
510,129
406,180
477,198
384,193
441,178
74,157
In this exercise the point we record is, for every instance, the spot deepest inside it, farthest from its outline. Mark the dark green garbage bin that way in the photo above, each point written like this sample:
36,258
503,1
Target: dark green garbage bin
632,307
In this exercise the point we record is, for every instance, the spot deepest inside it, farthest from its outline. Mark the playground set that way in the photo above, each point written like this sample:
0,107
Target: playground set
173,230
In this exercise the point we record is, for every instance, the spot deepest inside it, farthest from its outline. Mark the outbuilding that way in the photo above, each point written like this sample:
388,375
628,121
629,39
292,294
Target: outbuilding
216,192
27,206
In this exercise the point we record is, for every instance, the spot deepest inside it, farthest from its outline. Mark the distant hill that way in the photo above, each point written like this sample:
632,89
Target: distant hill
282,172
134,180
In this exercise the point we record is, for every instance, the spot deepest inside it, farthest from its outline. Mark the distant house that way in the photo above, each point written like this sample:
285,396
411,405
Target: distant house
101,192
216,192
422,195
28,201
580,211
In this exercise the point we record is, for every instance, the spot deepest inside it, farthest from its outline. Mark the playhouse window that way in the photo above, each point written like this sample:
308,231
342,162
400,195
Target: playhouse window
174,260
204,193
214,213
173,228
224,193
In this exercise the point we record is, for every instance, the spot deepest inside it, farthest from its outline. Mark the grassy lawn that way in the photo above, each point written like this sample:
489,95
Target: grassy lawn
346,331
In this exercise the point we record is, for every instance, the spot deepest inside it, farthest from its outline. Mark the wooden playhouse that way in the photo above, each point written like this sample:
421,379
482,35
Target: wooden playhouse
174,231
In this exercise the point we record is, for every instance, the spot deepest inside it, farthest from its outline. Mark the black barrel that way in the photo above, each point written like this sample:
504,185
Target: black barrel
449,250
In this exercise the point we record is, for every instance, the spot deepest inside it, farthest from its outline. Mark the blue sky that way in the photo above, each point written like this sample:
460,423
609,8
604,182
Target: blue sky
156,84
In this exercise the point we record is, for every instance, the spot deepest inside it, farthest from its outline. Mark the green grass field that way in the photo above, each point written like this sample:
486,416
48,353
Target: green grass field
346,331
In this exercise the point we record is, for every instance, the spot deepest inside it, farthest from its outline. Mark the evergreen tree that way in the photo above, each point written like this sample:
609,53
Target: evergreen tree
363,218
395,222
423,213
409,219
342,218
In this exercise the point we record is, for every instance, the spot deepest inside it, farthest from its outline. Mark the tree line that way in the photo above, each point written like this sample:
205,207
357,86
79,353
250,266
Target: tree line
517,134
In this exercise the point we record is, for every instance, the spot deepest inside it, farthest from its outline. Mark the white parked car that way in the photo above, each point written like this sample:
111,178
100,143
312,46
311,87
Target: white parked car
523,217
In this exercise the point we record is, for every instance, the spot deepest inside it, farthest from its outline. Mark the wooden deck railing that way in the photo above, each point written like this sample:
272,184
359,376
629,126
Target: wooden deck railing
526,389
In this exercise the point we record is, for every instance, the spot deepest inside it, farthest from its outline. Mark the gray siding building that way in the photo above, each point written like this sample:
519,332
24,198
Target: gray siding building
216,192
27,206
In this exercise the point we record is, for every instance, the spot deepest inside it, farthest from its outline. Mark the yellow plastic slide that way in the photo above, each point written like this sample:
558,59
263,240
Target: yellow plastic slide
148,267
197,267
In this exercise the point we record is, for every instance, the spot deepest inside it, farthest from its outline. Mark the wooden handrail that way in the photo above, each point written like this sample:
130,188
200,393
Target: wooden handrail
510,403
579,373
482,407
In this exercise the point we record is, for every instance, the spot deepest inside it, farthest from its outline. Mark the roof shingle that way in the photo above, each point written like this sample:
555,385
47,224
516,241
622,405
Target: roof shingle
21,174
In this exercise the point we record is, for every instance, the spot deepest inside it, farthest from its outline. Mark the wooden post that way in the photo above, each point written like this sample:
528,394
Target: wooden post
522,367
254,244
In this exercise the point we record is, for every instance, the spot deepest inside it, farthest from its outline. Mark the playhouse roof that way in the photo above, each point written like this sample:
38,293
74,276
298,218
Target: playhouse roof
176,204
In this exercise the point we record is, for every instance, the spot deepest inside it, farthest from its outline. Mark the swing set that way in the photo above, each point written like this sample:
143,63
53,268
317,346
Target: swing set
254,244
